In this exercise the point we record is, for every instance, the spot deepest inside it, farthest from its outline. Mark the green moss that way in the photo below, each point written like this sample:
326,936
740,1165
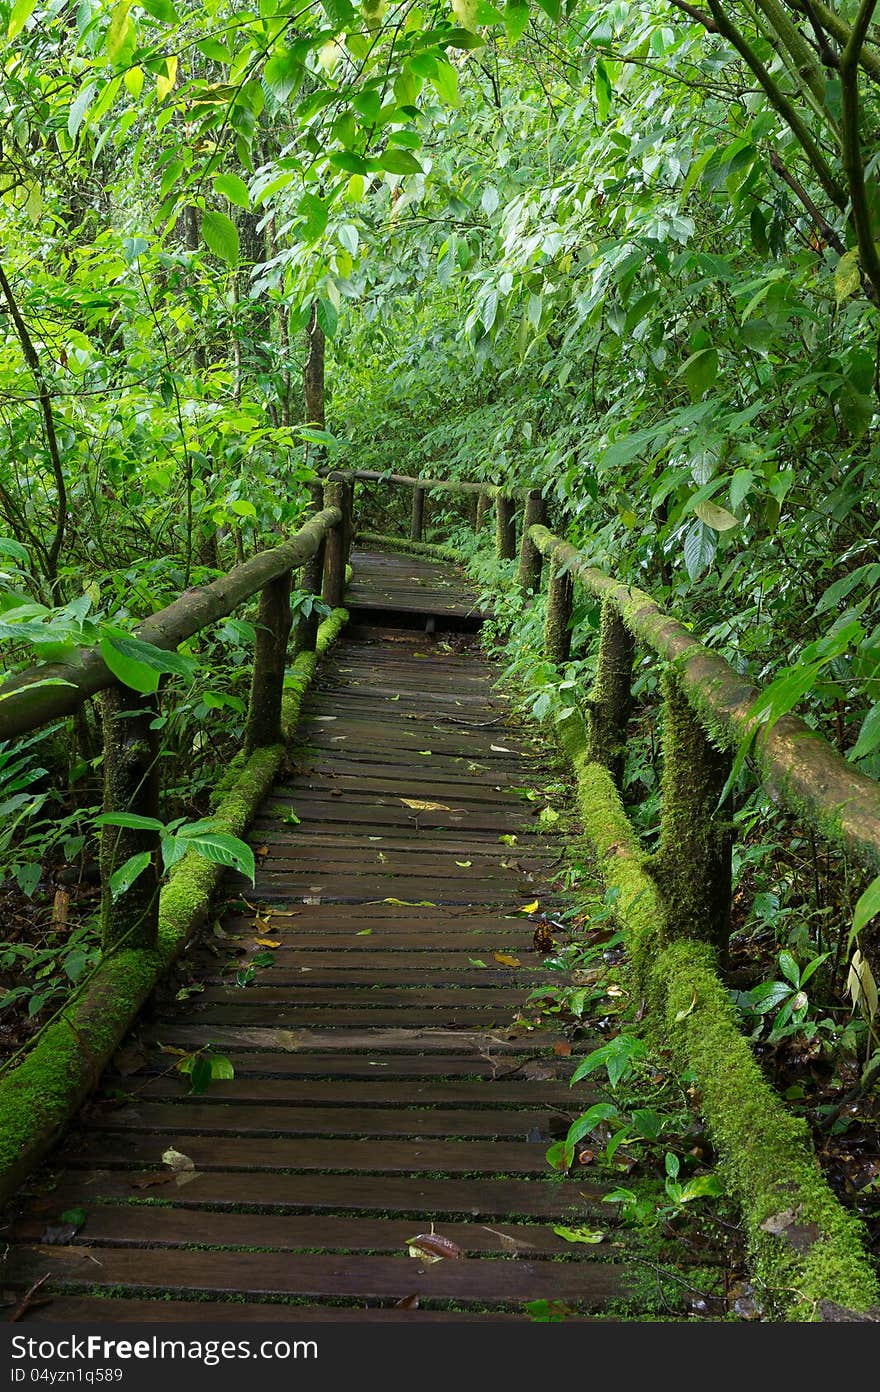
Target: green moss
39,1096
414,548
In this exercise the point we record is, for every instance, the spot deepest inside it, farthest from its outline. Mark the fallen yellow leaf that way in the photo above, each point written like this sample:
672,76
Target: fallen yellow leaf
529,908
267,942
506,960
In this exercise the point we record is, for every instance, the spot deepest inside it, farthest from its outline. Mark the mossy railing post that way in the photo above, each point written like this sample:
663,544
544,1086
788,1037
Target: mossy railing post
505,527
131,785
336,554
473,510
270,661
312,582
692,865
483,501
557,625
611,698
530,558
417,521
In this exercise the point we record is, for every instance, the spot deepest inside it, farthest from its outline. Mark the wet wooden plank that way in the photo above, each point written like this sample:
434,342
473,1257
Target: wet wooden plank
100,1310
317,1275
381,1091
204,1119
419,1197
134,1226
106,1150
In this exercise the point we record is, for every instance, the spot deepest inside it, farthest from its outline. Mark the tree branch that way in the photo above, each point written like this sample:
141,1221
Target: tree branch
782,104
851,153
831,236
32,359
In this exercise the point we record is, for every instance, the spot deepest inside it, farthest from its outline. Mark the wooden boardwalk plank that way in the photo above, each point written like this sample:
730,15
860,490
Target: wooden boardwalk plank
385,1082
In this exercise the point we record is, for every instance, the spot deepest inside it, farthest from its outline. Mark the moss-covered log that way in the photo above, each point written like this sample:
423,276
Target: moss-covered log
43,693
806,1248
40,1094
412,548
432,485
806,773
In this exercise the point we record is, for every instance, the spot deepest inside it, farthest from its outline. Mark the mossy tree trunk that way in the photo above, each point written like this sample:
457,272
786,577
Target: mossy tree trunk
131,785
611,700
692,865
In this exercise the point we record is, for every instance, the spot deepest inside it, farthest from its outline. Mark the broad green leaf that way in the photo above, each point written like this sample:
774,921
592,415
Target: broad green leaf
328,318
79,109
132,820
163,10
313,217
122,879
222,849
869,735
235,189
718,518
220,235
21,13
131,672
399,162
159,659
118,29
700,545
867,907
700,371
516,17
602,84
847,279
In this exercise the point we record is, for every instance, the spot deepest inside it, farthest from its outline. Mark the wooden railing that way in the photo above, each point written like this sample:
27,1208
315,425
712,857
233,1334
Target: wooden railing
131,752
708,715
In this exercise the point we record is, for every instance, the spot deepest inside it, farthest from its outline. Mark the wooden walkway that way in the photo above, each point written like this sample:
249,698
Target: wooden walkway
386,1084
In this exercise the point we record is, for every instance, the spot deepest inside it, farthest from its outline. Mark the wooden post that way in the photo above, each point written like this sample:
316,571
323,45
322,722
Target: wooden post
692,865
473,510
482,509
418,514
336,495
530,558
312,579
505,527
131,784
270,661
611,699
557,634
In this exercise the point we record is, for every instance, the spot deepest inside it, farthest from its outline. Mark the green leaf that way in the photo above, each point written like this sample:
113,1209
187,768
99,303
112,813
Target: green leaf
602,84
553,8
21,13
235,189
221,849
868,907
718,518
700,545
399,162
445,82
516,17
587,1235
162,660
137,675
283,75
133,821
163,10
220,235
846,275
327,317
313,217
869,735
123,878
79,109
700,371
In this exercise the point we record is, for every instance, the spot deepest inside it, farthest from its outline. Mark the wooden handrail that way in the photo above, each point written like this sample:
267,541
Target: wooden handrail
436,485
796,761
25,704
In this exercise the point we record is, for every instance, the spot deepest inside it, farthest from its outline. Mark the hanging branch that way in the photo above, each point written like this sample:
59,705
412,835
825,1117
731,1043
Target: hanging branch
782,104
31,357
852,145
